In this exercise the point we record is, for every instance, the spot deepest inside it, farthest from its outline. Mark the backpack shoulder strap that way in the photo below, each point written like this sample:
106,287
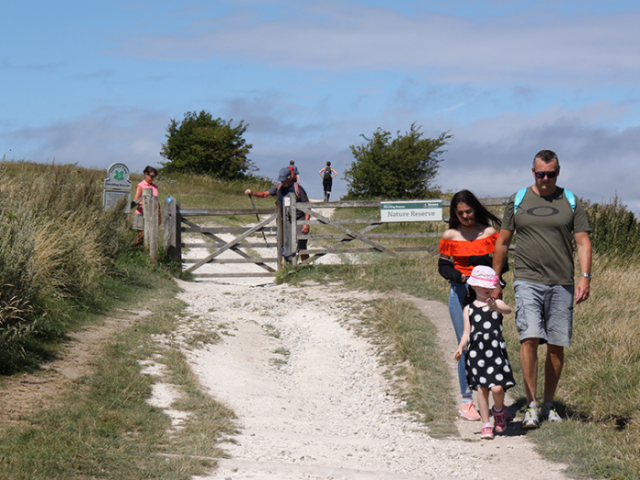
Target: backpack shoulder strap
571,198
518,200
568,194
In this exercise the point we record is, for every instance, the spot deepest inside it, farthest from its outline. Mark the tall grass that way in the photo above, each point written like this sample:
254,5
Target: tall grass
56,241
602,375
614,229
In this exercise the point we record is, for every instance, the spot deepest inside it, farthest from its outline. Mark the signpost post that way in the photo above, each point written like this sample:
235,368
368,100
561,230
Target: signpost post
411,211
117,186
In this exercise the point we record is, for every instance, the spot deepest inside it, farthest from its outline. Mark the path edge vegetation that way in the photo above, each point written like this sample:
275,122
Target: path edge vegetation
602,438
599,393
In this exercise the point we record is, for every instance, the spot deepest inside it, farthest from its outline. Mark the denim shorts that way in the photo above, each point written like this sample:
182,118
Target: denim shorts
544,312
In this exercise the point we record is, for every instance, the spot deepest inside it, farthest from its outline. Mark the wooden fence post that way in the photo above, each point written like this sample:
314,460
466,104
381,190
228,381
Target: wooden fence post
279,233
289,246
294,228
151,211
172,229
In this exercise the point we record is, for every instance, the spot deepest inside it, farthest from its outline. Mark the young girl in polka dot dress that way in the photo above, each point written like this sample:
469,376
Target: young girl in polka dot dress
487,363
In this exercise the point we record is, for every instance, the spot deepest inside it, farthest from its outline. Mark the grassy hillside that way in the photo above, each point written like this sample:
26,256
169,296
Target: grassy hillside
59,249
63,260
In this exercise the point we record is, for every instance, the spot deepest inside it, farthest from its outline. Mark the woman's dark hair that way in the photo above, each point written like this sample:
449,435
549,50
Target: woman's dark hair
149,170
469,297
482,215
328,164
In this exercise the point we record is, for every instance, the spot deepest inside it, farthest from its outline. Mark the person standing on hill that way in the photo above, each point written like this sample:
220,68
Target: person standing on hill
327,174
286,186
294,171
547,219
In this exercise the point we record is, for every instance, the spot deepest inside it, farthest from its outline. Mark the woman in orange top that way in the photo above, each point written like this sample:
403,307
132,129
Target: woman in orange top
469,236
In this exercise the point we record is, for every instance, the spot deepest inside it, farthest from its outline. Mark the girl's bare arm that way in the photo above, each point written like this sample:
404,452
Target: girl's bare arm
465,334
499,306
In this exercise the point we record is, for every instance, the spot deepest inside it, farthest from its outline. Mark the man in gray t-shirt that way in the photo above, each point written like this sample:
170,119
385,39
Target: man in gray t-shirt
547,219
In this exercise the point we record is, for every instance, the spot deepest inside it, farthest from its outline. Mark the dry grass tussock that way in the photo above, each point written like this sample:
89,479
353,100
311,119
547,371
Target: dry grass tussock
55,243
602,375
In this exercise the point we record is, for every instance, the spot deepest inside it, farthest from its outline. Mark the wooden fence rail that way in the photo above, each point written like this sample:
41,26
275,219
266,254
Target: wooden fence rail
283,223
345,235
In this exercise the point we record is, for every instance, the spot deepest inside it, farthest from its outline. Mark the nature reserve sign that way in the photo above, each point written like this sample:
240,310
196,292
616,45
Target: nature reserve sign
411,211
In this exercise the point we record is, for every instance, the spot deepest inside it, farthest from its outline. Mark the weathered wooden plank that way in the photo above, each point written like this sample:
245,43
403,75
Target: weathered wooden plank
341,221
198,212
198,229
233,275
222,243
373,235
347,204
425,248
233,260
488,201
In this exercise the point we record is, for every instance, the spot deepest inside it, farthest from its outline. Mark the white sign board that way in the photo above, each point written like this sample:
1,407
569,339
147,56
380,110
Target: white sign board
411,211
116,186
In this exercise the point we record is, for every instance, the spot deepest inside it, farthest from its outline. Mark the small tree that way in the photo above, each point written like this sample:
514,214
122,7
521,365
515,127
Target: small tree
202,144
400,168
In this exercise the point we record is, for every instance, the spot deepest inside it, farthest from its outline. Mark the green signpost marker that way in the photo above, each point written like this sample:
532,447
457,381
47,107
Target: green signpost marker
117,186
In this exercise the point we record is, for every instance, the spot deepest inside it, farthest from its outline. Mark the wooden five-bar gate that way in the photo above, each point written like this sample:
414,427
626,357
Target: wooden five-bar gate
279,229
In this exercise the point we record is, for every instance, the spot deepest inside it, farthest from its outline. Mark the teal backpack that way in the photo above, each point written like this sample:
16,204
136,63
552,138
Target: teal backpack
571,198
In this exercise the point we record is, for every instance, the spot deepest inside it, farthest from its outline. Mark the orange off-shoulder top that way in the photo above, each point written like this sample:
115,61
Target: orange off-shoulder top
461,250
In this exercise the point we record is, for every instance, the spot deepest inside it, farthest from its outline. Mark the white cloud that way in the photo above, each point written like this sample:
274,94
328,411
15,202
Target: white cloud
494,156
101,138
343,36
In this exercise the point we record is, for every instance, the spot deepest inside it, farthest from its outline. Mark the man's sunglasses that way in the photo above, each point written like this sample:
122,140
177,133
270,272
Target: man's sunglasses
551,174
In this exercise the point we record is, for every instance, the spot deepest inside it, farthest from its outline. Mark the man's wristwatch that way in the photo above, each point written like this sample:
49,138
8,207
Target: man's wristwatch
588,275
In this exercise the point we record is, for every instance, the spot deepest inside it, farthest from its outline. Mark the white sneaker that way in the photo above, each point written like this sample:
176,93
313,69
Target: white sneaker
550,414
531,419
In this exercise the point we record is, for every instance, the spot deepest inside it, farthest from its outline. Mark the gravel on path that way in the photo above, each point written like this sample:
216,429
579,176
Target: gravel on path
312,398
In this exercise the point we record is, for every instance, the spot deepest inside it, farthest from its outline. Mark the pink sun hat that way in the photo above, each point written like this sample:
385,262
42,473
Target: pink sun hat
484,277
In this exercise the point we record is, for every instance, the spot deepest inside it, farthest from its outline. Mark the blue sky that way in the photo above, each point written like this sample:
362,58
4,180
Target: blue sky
98,82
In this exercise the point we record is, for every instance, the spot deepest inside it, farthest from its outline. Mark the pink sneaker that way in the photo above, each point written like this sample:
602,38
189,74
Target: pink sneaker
500,419
468,412
487,433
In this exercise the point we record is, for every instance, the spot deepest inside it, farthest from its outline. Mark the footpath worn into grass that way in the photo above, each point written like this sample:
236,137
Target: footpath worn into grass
86,415
592,442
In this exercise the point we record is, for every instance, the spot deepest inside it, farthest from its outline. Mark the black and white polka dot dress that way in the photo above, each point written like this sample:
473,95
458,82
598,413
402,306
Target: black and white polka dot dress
486,359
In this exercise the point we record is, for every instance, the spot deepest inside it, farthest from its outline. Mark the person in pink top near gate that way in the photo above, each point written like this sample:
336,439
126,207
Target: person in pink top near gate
150,175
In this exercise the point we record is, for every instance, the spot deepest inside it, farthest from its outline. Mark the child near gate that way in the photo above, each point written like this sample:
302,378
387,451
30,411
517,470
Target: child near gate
487,363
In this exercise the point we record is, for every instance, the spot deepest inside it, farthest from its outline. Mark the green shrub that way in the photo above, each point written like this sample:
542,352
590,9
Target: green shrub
614,229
